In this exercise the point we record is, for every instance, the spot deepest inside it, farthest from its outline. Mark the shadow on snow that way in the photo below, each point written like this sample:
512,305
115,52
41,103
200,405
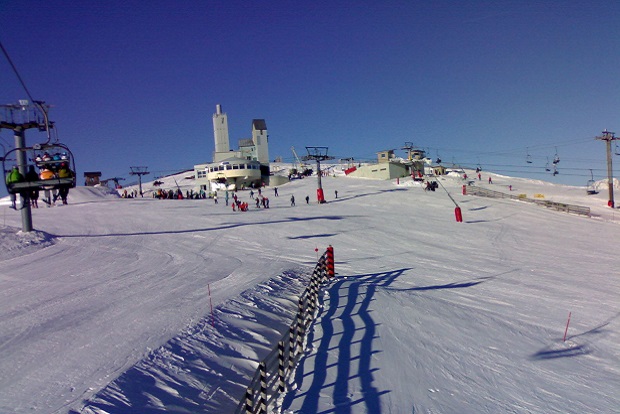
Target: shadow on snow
348,331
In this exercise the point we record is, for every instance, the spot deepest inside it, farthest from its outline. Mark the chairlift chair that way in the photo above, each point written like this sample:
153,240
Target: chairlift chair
591,186
55,164
547,166
528,157
556,158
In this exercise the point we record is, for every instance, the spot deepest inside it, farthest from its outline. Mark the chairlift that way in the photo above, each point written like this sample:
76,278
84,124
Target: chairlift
591,186
547,166
528,157
617,151
555,171
556,158
438,160
55,164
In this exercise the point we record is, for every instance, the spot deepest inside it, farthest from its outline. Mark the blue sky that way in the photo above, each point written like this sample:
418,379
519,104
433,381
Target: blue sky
135,83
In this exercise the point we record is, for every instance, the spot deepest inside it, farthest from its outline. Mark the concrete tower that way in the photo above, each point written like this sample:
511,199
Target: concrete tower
220,130
261,141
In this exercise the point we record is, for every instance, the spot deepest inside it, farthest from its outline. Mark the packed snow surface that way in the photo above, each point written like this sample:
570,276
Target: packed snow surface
141,305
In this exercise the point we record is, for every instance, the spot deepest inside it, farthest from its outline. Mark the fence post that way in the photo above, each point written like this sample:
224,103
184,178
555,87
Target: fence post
263,388
331,271
249,405
300,329
291,346
281,369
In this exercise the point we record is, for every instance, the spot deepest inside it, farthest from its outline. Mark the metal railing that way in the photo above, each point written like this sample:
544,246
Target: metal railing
568,208
269,381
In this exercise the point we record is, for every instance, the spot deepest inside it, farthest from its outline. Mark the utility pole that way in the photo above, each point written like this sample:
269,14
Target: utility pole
319,154
608,137
139,171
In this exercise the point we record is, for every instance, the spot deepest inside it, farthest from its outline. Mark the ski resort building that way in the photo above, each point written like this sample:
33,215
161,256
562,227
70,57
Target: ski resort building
246,167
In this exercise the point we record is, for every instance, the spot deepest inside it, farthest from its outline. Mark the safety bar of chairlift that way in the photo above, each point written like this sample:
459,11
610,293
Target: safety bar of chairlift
50,184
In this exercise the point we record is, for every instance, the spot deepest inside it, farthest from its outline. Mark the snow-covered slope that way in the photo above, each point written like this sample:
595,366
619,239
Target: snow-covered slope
107,306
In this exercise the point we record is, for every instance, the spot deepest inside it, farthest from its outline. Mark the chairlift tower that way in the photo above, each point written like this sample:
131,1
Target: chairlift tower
18,118
608,137
139,171
409,147
319,154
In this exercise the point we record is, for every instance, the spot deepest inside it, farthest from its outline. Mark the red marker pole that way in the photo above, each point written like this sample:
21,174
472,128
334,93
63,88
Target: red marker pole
331,271
458,214
566,330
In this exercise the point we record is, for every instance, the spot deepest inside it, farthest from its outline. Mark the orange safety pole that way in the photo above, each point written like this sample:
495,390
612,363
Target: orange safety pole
329,262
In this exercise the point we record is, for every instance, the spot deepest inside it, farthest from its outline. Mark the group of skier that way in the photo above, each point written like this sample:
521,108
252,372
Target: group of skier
49,168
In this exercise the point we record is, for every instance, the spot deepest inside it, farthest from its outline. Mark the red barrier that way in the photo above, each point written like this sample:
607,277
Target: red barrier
319,195
329,262
458,214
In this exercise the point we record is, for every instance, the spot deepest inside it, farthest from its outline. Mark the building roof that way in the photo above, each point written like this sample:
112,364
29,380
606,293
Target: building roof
246,142
259,124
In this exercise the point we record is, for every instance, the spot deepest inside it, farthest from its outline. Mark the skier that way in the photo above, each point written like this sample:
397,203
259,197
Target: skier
14,177
292,200
32,175
275,191
307,199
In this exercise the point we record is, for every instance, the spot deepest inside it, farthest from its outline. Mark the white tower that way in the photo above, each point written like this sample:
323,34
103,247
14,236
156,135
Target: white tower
220,130
261,141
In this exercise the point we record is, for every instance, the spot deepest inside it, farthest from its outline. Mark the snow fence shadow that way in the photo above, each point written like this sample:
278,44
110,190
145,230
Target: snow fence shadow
346,346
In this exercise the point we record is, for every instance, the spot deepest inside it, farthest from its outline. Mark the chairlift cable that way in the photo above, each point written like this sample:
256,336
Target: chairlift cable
8,58
39,105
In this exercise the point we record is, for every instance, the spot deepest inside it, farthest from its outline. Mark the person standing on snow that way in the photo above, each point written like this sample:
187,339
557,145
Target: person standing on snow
307,199
292,200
